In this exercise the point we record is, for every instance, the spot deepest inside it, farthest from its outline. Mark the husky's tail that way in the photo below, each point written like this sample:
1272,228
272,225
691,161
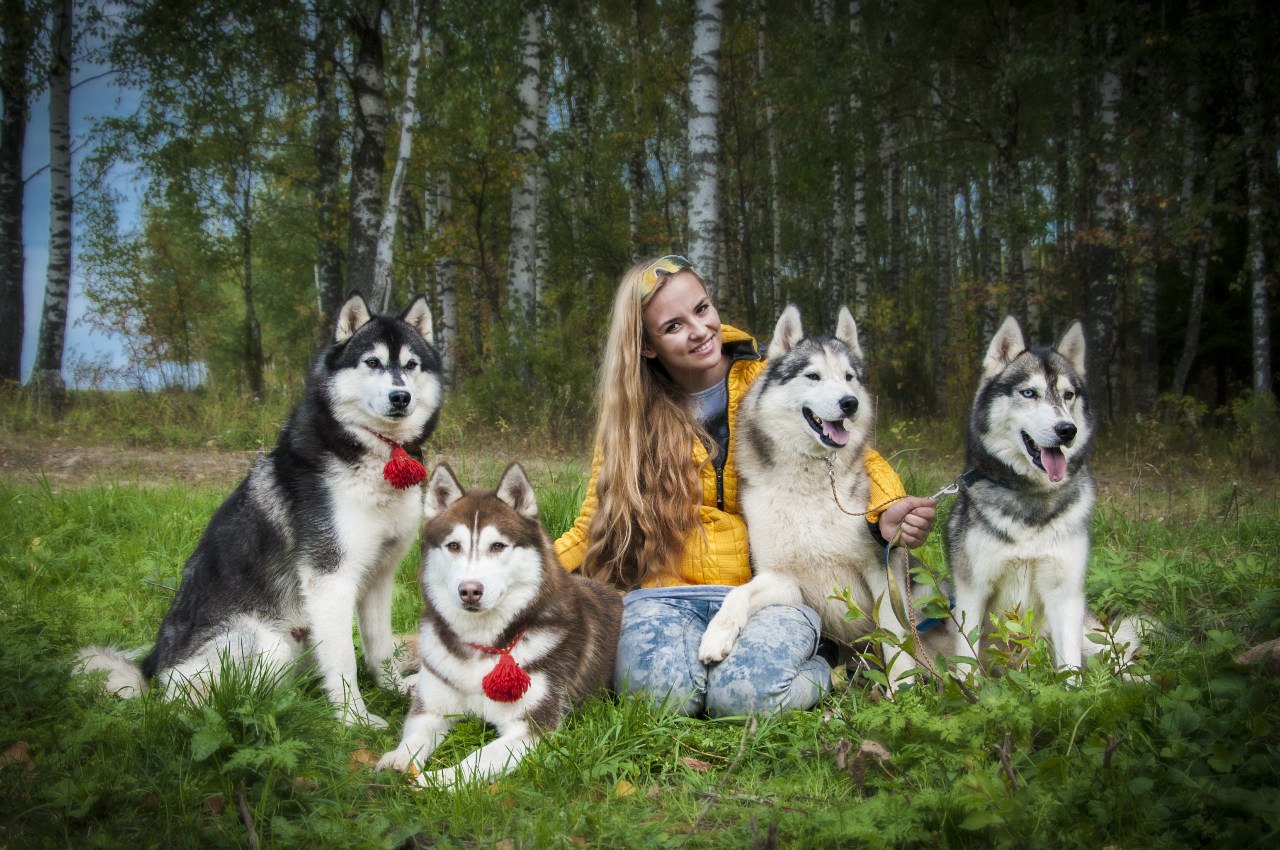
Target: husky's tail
124,676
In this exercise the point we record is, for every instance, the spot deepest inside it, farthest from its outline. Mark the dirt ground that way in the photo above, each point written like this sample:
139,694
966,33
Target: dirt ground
72,465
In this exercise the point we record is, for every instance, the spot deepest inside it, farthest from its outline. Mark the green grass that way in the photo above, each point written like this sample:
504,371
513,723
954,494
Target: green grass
1186,759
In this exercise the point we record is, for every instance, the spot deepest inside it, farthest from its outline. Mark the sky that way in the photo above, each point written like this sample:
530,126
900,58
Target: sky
97,97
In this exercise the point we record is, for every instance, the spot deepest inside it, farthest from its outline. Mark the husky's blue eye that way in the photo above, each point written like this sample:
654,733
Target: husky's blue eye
372,362
1028,393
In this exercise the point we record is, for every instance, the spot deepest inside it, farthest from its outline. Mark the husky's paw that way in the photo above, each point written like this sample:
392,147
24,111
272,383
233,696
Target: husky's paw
398,759
717,641
360,717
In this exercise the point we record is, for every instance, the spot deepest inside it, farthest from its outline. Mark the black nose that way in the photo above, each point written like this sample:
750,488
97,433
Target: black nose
470,592
399,399
1066,432
849,405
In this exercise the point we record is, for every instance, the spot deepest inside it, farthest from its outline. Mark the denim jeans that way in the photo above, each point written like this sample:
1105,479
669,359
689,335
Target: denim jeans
772,667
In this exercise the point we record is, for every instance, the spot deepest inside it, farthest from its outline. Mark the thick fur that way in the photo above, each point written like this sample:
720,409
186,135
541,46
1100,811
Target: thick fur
489,574
811,407
1019,536
314,534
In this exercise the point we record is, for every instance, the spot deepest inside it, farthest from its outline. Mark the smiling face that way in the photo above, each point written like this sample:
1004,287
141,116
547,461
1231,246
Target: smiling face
682,332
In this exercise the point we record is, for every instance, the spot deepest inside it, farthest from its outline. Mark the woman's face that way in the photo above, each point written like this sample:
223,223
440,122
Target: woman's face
682,330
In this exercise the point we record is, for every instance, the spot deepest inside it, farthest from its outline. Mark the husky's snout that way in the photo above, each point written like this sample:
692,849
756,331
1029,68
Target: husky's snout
469,594
1066,432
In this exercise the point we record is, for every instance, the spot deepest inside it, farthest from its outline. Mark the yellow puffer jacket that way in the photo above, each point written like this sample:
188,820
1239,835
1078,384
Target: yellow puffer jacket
720,555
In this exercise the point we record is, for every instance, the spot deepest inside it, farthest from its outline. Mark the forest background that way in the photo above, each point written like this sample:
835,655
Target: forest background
932,165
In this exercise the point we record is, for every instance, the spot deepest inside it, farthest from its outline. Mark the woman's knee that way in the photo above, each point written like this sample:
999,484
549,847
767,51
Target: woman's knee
773,666
657,656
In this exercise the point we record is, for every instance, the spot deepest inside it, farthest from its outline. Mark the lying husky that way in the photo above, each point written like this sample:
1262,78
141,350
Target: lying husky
1018,537
506,633
316,530
804,430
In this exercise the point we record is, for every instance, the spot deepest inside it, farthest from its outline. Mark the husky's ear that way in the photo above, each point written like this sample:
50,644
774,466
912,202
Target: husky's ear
442,491
847,331
418,317
351,318
1005,346
1072,347
786,333
516,491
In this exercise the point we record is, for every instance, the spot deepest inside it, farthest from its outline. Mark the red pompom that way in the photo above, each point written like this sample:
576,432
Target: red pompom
506,682
402,471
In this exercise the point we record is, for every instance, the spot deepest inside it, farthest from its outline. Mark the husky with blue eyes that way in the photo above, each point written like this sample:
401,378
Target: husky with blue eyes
1018,538
313,536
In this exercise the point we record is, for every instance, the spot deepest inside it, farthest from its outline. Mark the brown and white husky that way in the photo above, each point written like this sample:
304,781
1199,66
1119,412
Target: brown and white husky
506,633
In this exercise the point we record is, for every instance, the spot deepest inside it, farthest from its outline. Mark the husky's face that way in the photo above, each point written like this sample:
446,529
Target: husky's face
384,375
1031,412
483,550
813,392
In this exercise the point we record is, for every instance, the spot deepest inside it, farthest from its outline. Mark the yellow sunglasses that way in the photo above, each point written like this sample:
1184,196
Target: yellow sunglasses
658,270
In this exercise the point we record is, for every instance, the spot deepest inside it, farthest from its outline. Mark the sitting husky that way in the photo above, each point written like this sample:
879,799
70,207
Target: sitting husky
506,633
316,530
804,430
1018,537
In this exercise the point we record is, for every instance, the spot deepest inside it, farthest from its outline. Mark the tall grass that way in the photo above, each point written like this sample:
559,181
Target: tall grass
1185,759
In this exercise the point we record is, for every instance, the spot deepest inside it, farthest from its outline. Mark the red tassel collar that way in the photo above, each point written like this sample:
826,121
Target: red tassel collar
401,471
506,682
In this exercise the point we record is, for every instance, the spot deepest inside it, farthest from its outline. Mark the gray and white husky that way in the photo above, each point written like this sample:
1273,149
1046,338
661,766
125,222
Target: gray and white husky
1018,537
315,532
804,429
506,634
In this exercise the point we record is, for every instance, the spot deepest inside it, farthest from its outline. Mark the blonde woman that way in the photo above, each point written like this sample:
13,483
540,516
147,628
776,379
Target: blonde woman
661,521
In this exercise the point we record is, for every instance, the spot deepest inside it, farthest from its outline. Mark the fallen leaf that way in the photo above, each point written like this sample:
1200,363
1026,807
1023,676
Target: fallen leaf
215,804
17,754
362,756
304,783
696,765
623,789
654,792
579,840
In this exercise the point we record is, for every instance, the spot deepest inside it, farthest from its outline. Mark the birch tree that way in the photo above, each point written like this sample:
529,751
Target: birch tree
704,137
1106,211
327,141
57,293
380,293
522,283
17,30
369,112
1256,269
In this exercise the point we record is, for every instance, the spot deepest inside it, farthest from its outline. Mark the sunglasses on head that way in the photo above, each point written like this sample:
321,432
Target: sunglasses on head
659,270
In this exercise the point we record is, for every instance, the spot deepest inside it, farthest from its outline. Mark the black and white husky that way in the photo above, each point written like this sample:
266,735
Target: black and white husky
804,429
506,633
316,530
1018,538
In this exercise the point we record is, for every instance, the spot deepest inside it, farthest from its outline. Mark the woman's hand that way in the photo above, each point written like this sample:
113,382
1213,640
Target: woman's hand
915,514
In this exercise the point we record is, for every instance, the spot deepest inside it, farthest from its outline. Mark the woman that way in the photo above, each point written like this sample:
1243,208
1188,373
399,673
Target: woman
661,520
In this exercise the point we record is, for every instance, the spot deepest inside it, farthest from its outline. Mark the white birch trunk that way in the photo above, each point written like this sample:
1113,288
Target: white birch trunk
773,290
1102,277
1256,264
369,93
861,262
704,138
522,284
15,25
380,295
435,218
57,293
836,279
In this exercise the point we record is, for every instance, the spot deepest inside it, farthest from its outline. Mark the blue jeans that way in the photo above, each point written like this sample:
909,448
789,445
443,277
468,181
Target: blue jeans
772,667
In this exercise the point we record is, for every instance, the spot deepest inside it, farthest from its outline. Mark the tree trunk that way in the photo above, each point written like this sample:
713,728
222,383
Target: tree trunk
1103,251
522,284
57,293
704,138
328,146
773,289
943,226
436,219
369,110
1256,267
860,266
15,24
636,162
380,294
837,223
253,359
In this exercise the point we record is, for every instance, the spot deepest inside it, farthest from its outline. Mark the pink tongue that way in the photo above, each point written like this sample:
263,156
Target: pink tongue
1054,462
835,433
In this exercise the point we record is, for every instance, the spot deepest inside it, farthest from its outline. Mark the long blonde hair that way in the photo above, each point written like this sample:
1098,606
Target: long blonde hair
649,486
